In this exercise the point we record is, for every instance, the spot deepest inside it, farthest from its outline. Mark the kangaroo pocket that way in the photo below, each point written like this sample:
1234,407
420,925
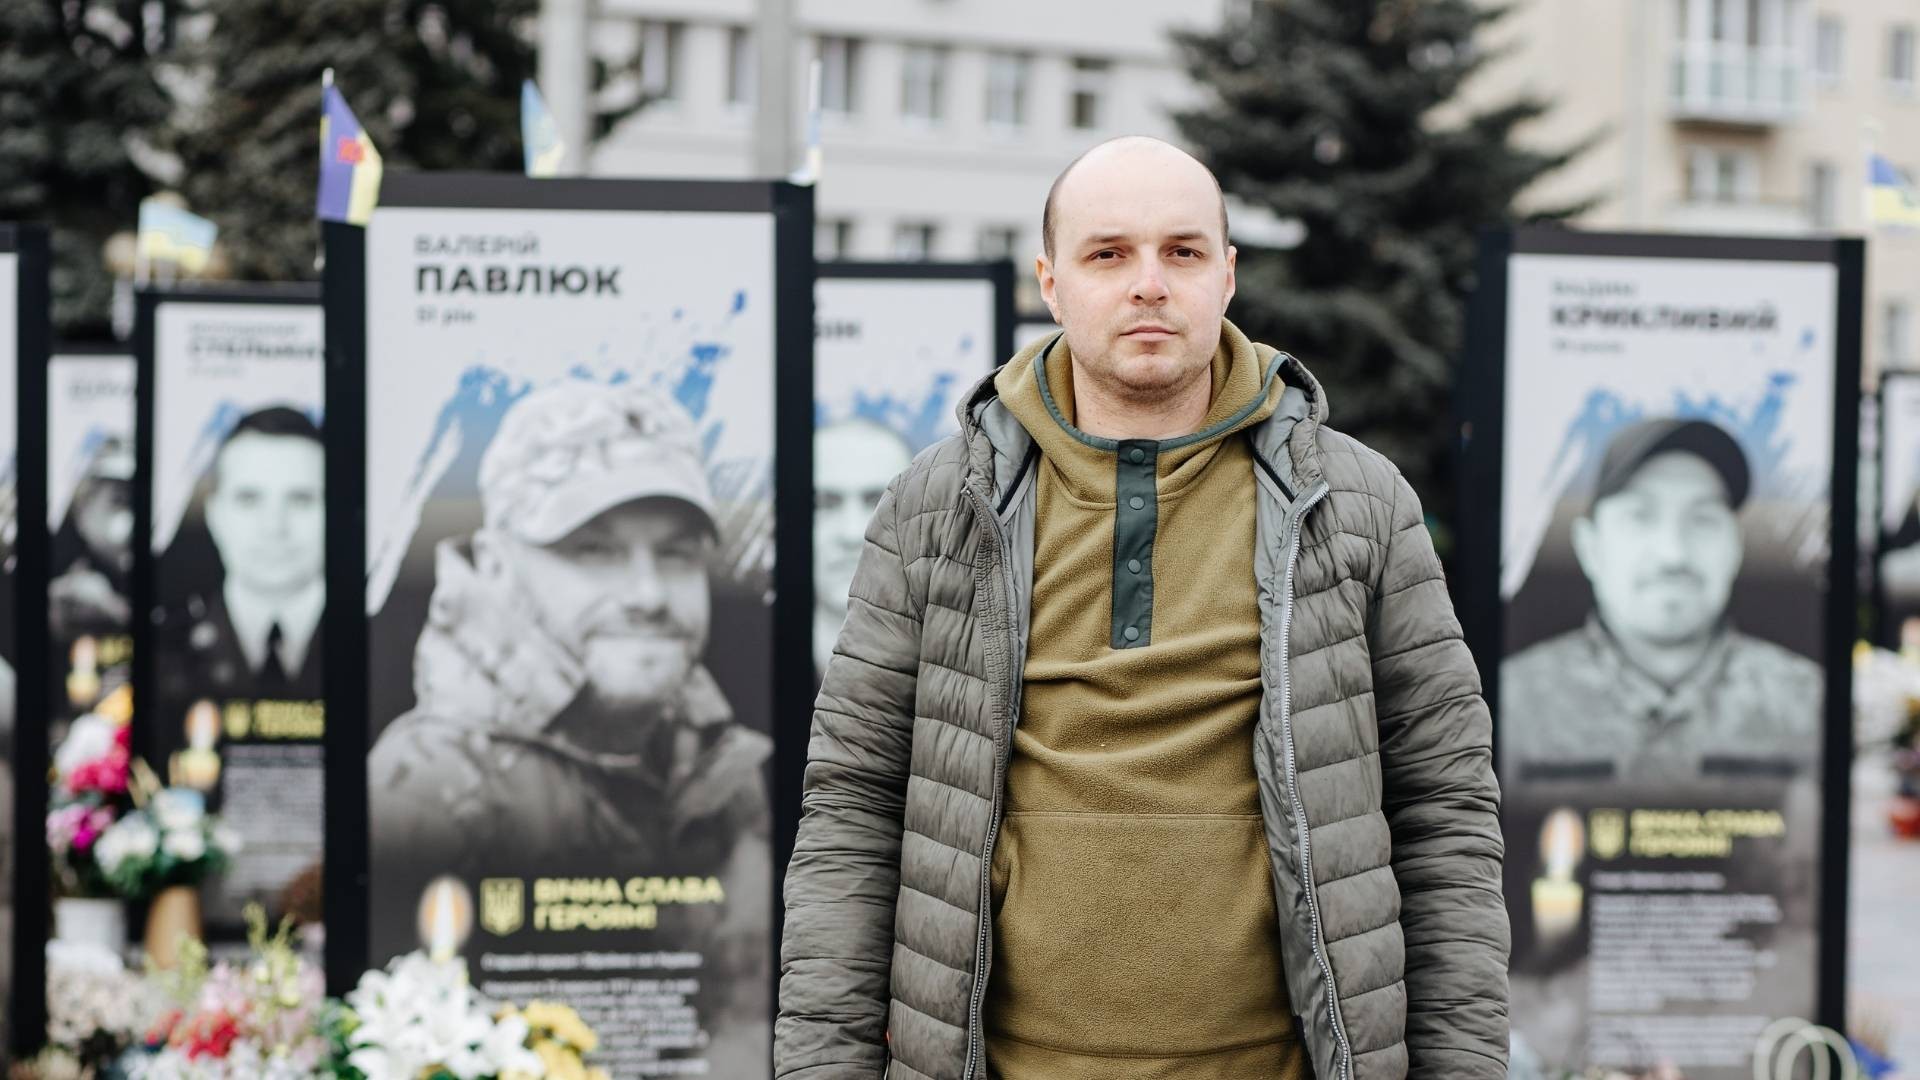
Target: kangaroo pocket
1141,936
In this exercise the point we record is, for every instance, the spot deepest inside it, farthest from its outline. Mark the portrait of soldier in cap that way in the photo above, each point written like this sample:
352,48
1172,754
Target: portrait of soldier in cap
565,724
93,548
1658,686
253,631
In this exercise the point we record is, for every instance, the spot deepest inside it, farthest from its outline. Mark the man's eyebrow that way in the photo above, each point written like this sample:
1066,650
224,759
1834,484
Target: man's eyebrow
1182,236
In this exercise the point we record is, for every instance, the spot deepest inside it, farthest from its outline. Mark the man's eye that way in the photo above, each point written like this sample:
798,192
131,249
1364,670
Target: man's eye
1106,256
1186,253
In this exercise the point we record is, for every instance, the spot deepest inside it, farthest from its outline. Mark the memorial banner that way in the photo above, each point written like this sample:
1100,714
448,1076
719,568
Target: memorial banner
896,348
1669,663
1897,561
231,512
90,479
573,528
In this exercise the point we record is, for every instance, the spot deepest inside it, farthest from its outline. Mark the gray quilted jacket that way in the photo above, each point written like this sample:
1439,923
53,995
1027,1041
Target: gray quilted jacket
1372,752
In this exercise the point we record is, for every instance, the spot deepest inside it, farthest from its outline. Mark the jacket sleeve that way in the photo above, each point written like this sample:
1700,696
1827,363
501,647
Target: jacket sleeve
1443,810
837,951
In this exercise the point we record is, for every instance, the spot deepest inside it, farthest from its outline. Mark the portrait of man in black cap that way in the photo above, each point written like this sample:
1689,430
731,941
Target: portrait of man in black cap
1658,686
565,725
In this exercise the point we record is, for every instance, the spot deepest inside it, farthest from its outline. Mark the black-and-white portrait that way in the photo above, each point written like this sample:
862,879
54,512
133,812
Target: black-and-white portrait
252,623
564,721
853,461
1659,684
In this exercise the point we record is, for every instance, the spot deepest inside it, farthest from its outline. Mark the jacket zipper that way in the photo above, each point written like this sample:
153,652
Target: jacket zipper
1293,782
1001,752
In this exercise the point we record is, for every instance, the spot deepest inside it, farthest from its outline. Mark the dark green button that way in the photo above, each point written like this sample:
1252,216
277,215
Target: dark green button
1138,455
1137,502
1131,633
1133,566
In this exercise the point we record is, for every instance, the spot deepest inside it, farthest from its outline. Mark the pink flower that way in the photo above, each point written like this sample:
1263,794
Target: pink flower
63,824
106,774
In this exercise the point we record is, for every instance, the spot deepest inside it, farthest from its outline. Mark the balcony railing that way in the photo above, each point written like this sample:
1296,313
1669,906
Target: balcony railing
1738,84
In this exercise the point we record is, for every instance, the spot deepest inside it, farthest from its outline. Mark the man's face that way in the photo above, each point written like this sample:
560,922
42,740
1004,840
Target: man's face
626,593
1141,272
852,465
1662,552
104,518
267,511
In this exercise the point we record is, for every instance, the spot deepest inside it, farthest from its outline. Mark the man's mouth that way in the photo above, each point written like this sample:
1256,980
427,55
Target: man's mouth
1150,332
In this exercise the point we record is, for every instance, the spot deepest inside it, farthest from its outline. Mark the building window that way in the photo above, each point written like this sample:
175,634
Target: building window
743,67
1007,77
1089,85
1896,335
923,83
1722,176
999,242
1830,49
832,239
1823,191
1900,58
660,59
913,240
839,74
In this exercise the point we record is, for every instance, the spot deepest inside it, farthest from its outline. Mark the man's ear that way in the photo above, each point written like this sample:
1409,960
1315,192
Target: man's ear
1043,273
1233,259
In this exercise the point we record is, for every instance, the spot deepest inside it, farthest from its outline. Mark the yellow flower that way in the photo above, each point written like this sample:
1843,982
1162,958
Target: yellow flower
561,1063
563,1023
597,1073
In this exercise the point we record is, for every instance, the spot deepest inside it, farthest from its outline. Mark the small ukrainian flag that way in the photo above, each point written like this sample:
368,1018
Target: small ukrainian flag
539,133
1892,198
349,164
169,233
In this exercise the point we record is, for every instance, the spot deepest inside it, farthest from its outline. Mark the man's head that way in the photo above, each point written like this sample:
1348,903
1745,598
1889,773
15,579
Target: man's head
853,461
1137,268
102,510
1660,543
266,508
598,514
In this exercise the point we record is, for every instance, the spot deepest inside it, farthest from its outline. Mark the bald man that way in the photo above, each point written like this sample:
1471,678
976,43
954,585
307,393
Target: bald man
1149,747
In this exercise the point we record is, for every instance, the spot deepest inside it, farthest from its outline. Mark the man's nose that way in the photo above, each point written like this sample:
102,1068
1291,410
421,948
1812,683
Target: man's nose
642,589
1150,285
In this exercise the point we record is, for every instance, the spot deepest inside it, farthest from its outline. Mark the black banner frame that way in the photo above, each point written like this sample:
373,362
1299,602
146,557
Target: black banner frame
32,864
349,840
147,741
1481,414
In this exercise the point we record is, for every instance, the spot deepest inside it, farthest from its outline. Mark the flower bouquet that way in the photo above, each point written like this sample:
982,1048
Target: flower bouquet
91,774
230,1022
171,840
422,1020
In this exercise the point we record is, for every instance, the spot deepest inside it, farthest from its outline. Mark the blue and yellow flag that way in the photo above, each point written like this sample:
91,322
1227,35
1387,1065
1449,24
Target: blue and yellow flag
171,234
1892,198
539,133
349,165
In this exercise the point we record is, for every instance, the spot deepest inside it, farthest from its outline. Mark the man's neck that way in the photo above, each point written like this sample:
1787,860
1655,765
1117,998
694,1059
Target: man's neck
1111,412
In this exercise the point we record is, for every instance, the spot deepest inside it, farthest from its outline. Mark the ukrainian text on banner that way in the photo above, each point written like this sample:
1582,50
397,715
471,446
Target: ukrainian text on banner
569,571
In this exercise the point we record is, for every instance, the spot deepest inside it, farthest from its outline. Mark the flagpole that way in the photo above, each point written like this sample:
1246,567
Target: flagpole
320,227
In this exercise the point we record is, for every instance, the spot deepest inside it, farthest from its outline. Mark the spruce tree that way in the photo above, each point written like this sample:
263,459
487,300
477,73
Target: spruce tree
78,95
436,84
1327,112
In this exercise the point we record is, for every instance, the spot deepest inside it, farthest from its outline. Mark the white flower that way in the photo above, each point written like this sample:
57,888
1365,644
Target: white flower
129,838
90,737
505,1049
186,845
227,839
179,809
